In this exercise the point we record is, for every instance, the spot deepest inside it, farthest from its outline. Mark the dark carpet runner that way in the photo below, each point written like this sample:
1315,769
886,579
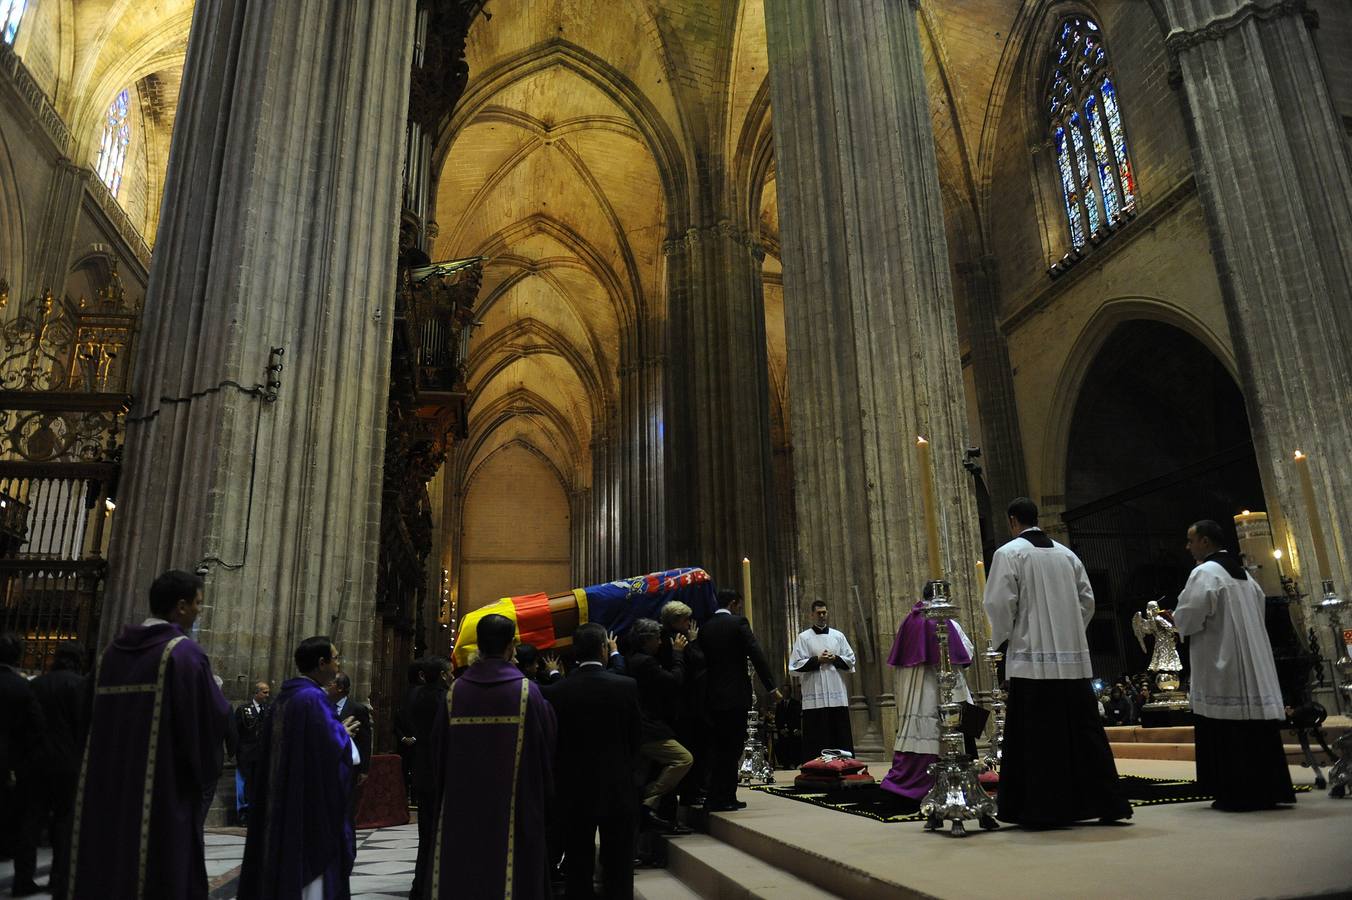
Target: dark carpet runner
875,803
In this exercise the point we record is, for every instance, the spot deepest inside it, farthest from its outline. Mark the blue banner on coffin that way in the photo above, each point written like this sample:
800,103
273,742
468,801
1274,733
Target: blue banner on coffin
616,604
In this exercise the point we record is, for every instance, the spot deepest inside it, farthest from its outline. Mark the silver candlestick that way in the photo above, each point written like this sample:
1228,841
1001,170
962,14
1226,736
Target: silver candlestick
957,794
997,754
1332,606
755,764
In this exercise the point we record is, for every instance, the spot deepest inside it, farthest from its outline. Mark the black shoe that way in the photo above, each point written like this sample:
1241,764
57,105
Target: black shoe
652,821
27,890
677,829
725,807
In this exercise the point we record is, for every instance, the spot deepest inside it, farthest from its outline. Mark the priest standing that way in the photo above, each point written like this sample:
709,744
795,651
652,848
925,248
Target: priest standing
1236,701
821,656
157,728
300,844
915,656
1057,767
494,741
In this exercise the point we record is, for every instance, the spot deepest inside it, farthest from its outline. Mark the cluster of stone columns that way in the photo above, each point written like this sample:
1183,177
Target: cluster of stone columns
279,230
872,338
1272,166
719,476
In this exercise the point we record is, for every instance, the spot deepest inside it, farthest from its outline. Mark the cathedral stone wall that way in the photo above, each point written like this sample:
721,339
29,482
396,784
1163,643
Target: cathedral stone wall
1159,266
516,531
55,215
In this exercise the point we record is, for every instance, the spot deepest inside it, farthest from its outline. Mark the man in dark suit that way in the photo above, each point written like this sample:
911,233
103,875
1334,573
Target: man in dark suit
345,706
22,735
248,725
598,721
728,643
402,723
64,695
427,699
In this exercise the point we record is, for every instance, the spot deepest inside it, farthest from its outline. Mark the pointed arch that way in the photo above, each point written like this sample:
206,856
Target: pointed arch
615,85
1076,368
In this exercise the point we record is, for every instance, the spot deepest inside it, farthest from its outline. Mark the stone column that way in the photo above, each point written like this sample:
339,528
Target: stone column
279,231
1276,182
56,238
640,436
1002,446
872,338
720,480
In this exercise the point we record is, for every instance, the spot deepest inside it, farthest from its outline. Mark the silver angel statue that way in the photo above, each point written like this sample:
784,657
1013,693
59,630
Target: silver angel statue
1164,659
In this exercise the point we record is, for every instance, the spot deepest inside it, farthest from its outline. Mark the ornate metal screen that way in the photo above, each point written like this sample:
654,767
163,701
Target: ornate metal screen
64,372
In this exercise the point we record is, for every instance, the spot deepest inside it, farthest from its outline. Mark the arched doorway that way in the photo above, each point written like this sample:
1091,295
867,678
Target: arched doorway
1159,438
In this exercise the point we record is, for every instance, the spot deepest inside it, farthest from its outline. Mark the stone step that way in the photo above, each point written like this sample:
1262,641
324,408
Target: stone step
802,860
716,870
659,884
1152,750
1185,751
1126,734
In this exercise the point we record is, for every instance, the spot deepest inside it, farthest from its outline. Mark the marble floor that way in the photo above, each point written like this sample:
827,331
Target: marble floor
383,871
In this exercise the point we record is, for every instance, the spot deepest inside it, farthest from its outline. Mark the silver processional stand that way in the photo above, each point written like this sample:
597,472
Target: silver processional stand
1331,605
957,794
755,765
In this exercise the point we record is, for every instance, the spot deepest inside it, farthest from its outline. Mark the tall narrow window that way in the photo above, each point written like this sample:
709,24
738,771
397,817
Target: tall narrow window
1085,120
116,137
11,11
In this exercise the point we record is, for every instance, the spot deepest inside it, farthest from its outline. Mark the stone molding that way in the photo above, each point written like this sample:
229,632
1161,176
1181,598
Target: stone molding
118,217
1181,40
1037,300
27,87
723,229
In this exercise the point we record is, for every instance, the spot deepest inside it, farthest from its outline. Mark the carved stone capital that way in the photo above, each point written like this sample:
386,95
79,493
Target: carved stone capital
1181,40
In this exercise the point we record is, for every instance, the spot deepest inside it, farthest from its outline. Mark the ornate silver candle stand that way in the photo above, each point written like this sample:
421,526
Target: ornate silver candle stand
1340,776
997,754
957,794
755,764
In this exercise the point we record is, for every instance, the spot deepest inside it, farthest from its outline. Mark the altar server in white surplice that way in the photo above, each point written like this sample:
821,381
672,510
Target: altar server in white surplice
1236,701
1057,767
821,655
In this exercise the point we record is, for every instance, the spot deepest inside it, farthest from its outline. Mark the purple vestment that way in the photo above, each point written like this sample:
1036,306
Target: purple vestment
299,826
495,736
910,650
155,745
917,644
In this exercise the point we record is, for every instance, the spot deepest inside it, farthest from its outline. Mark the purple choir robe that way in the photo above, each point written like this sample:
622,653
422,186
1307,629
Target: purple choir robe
299,826
495,742
155,745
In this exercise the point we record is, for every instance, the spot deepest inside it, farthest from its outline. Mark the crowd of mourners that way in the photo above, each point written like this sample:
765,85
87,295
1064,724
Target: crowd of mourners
516,766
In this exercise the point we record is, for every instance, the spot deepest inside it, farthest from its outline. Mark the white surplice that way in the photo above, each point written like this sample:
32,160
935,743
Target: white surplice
822,687
918,702
1039,599
1233,675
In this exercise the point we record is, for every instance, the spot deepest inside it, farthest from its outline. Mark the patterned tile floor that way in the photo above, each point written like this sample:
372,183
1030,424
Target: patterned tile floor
383,871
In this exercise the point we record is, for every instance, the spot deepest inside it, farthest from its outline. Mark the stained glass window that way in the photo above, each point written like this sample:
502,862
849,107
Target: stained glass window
116,137
1085,119
11,11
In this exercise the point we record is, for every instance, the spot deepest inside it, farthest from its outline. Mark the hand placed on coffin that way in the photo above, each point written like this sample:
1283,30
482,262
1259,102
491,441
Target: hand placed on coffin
612,643
692,632
551,663
679,643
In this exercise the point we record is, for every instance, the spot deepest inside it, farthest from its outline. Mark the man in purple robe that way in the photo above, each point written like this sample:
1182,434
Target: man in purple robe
915,655
155,741
301,844
495,736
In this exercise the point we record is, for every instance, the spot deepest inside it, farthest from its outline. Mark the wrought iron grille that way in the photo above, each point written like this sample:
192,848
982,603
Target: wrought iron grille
64,372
